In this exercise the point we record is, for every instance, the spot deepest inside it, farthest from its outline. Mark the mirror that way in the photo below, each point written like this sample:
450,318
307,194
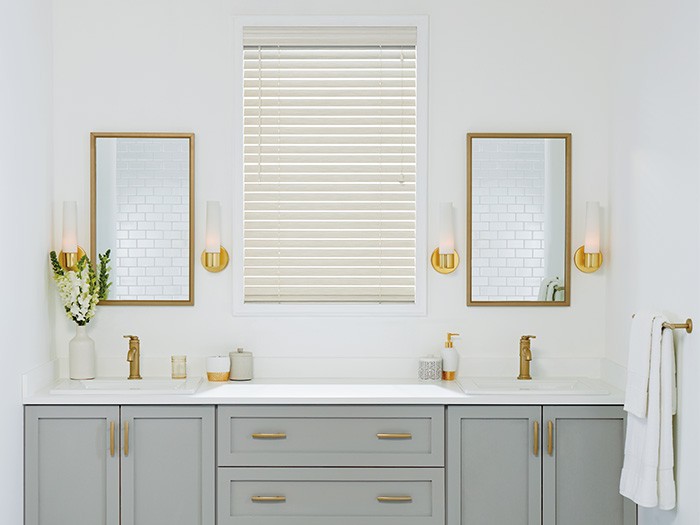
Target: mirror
519,219
141,202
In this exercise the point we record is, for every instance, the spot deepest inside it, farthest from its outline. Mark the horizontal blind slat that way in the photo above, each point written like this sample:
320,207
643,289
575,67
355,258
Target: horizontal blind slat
385,297
332,280
329,243
325,140
266,233
331,291
336,196
331,102
298,252
329,36
304,112
321,177
334,272
310,52
281,264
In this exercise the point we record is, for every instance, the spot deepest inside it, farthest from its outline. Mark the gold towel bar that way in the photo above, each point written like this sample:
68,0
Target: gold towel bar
687,326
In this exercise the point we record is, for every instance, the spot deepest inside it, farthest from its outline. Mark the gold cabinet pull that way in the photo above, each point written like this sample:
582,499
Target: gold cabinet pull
536,447
269,435
268,499
550,437
111,438
126,439
395,435
395,499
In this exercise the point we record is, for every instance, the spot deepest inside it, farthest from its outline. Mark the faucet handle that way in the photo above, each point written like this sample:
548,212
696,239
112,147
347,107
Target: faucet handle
131,337
527,337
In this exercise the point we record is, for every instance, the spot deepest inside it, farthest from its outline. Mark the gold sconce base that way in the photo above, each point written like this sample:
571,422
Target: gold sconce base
444,264
587,262
69,260
215,262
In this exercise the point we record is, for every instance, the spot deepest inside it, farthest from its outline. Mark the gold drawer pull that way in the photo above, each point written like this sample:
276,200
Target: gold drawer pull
399,435
536,449
126,439
268,499
395,499
550,438
272,435
111,438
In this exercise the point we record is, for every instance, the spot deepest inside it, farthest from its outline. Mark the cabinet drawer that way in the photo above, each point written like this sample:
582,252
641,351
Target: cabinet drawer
347,436
313,496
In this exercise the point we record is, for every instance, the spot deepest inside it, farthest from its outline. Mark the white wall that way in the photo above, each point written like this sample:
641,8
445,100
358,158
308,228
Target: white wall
654,195
166,65
26,322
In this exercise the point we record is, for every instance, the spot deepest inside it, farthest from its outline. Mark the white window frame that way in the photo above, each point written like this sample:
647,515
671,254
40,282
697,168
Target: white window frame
417,308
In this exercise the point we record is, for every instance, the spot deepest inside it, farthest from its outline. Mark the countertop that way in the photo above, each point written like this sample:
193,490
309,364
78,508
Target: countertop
325,392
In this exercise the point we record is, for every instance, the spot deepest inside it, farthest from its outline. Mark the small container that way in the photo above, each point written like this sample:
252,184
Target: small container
179,366
241,365
430,368
450,359
218,368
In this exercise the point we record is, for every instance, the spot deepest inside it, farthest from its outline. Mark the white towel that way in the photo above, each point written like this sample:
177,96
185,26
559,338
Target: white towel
544,288
636,390
548,290
647,473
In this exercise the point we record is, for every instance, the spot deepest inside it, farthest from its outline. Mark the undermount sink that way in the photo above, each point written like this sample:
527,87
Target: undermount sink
106,386
506,385
337,390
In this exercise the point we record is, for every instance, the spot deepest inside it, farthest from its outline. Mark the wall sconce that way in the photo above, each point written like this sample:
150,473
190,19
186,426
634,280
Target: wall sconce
70,252
445,258
588,257
214,256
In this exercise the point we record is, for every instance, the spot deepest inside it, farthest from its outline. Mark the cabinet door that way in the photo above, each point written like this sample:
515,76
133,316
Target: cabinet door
493,465
72,472
582,472
167,465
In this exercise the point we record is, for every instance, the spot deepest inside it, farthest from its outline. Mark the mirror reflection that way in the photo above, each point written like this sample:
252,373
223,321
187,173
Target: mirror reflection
142,211
518,219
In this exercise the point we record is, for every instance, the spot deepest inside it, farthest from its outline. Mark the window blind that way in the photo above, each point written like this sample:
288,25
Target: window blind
329,165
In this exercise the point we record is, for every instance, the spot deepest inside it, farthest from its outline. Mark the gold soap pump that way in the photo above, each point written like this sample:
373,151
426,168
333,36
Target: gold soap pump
450,359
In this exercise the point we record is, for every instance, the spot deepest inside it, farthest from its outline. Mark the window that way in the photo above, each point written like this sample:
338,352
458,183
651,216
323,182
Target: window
330,172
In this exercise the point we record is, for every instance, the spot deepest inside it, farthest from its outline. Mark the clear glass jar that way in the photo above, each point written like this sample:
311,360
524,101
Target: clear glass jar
179,366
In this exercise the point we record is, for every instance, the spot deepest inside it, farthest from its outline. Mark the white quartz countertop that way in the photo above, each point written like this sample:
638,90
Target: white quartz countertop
323,392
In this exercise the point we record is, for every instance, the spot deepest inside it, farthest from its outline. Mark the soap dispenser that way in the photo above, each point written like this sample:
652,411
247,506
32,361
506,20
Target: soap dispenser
450,359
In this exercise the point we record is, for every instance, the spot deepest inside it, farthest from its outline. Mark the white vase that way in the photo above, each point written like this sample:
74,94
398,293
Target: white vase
81,355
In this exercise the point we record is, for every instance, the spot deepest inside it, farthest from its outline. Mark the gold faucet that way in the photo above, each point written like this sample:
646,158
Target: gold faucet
525,356
134,356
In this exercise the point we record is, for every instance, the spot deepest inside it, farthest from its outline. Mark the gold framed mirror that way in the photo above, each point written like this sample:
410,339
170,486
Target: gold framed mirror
518,219
142,209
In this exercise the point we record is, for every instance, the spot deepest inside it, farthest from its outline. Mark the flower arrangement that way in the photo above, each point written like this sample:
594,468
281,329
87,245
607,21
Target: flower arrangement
82,289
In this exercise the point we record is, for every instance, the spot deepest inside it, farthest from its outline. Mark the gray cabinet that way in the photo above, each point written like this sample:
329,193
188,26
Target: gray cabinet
375,465
493,465
71,472
81,460
581,469
530,465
